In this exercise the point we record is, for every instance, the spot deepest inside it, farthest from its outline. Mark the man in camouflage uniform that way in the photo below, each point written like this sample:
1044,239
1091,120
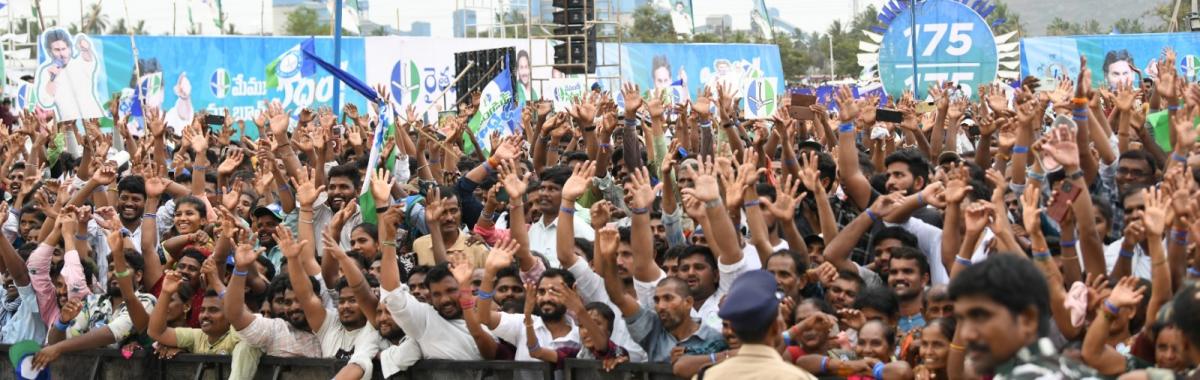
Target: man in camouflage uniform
1003,311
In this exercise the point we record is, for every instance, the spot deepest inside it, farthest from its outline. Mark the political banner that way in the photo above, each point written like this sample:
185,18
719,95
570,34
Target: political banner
70,76
213,73
1113,59
680,12
564,91
499,111
691,67
954,43
759,98
417,69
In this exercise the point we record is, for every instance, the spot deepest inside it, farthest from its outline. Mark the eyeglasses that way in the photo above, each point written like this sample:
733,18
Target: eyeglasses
1131,172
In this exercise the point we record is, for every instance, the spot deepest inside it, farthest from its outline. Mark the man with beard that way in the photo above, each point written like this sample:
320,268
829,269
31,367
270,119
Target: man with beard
550,324
549,196
438,326
401,351
284,333
670,325
844,288
188,267
838,250
510,293
266,218
23,323
342,337
214,335
1003,309
444,218
907,276
342,189
1135,168
356,305
131,207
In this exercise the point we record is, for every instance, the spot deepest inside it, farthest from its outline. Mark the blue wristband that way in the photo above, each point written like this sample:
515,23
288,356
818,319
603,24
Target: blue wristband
567,210
751,203
1111,308
1126,254
707,124
1067,243
81,237
240,273
789,162
631,122
963,261
1193,272
1036,176
199,167
920,200
1079,118
1018,149
639,210
878,371
787,338
871,214
712,357
485,295
1173,107
1177,157
1043,255
60,326
605,146
824,364
846,127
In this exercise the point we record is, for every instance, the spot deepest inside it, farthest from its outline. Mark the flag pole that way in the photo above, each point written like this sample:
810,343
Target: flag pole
337,54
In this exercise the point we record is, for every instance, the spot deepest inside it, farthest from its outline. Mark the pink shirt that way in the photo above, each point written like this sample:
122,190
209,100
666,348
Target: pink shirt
43,286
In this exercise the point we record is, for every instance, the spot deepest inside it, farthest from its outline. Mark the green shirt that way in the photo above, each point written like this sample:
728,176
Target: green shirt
196,341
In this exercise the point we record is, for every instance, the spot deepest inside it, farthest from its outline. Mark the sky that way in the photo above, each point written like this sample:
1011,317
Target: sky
245,14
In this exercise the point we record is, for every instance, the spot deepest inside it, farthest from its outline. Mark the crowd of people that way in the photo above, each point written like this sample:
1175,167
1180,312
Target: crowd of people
1028,234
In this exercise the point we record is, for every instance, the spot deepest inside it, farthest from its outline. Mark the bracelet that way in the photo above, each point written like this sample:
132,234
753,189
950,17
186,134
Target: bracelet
1179,241
487,167
1177,157
1042,255
957,347
962,260
285,188
240,273
589,129
751,203
639,210
532,346
60,326
1079,118
605,146
485,295
846,127
81,237
1079,101
874,218
100,189
1067,243
150,215
787,338
1018,149
1109,307
1036,176
1126,254
920,200
1071,257
1173,107
824,364
389,243
707,124
125,232
567,210
199,167
431,162
124,273
1193,272
712,357
631,121
466,303
221,295
878,370
309,221
1156,263
713,203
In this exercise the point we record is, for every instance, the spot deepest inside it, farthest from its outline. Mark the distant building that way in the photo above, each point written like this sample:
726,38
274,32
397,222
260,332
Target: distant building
716,24
462,19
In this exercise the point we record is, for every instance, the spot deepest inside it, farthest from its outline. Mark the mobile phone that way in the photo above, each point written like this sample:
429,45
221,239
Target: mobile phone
681,154
799,108
888,115
1061,204
502,196
214,119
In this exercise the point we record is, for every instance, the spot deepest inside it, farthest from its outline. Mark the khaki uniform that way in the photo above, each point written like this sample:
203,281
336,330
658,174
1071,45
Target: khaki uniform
755,361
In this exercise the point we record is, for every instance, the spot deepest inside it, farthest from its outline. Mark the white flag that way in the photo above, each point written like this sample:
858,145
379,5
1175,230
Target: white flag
349,14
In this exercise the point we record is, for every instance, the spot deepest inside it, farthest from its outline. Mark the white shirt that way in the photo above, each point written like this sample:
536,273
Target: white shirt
707,313
363,342
1140,265
512,329
396,358
543,238
591,289
438,337
929,240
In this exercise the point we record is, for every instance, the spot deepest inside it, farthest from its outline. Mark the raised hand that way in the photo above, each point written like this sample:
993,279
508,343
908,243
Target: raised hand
787,195
381,186
702,106
640,190
515,184
977,216
502,255
106,174
245,255
1062,147
847,109
460,267
607,240
289,246
1031,211
1127,293
231,162
1154,217
70,310
1167,75
306,191
580,181
171,281
956,184
705,188
633,99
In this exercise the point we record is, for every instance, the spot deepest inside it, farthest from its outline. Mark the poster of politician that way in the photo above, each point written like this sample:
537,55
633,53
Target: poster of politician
67,80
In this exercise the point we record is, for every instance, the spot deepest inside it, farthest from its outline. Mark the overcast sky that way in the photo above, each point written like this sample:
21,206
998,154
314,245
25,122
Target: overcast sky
246,14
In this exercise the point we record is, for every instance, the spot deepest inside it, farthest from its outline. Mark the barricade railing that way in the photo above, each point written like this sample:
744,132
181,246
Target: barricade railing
106,364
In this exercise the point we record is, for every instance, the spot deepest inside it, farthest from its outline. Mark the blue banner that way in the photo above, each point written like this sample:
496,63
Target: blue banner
214,73
1120,58
693,66
954,43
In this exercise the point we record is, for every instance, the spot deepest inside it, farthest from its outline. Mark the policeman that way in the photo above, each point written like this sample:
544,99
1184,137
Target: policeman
753,313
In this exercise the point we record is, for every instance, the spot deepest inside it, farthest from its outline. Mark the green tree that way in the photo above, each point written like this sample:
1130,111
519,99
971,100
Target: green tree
1129,26
794,60
1061,27
1164,15
94,20
303,22
119,27
1012,20
650,25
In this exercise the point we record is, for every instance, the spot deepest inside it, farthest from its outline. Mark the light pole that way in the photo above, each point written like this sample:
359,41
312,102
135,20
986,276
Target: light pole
913,27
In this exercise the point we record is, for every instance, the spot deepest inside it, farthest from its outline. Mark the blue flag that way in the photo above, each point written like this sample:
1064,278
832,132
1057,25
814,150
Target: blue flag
350,80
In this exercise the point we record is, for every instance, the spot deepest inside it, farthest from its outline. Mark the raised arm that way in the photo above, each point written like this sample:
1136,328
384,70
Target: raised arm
855,183
500,258
605,263
1096,352
1155,218
389,267
235,294
155,186
579,182
517,186
314,312
158,329
1061,145
720,227
460,267
366,299
837,251
137,312
306,193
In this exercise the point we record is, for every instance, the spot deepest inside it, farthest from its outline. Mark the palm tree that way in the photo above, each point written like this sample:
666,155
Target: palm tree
229,28
119,27
94,21
140,28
